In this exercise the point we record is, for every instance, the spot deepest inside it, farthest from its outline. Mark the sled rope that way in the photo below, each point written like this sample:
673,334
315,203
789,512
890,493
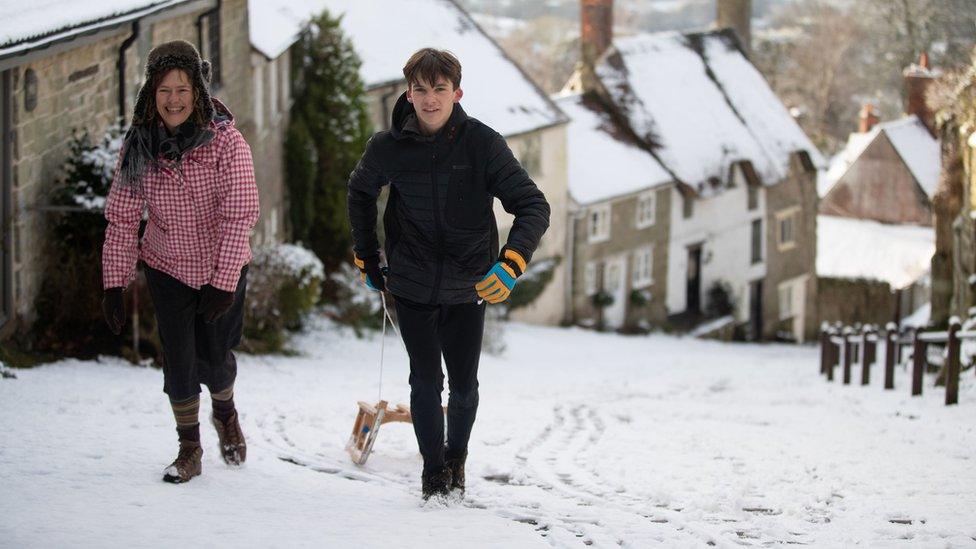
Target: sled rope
386,318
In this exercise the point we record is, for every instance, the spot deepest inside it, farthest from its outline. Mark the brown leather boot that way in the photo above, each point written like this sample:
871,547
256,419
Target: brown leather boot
232,446
188,464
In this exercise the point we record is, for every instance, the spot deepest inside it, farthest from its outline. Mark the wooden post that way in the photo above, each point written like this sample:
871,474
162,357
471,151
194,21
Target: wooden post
869,351
952,363
824,343
832,353
918,363
891,335
848,354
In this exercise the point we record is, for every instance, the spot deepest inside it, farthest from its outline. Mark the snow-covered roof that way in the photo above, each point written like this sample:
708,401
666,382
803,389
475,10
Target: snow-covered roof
603,164
703,104
911,140
859,248
28,25
496,91
274,25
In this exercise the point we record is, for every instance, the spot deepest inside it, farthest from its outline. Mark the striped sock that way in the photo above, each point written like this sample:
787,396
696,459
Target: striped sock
187,414
223,404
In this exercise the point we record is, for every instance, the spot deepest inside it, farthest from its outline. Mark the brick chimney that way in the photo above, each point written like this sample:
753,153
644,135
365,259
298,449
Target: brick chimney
596,20
918,78
868,118
736,14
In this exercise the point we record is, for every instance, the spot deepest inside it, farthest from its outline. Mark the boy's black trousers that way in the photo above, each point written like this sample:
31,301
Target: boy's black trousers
194,351
430,331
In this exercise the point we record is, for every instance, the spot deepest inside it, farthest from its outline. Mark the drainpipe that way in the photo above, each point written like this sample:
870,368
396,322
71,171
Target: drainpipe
121,67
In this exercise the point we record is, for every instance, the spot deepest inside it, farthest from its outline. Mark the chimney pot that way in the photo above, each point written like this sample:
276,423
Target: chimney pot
736,14
596,33
868,119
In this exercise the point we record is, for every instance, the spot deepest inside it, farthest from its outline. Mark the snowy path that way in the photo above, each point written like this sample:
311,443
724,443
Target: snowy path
583,439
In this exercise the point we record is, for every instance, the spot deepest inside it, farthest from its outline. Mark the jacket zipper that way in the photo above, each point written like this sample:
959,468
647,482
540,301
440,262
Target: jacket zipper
437,224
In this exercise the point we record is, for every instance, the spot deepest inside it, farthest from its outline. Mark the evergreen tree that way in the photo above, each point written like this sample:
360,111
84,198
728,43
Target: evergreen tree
329,129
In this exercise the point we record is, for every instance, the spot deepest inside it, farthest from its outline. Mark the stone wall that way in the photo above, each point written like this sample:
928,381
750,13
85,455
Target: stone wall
76,89
851,301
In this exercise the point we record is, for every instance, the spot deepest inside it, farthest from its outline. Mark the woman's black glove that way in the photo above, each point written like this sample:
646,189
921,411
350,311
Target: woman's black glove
214,303
114,309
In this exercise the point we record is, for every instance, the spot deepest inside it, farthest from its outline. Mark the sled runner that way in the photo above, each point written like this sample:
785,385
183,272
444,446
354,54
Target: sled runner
367,425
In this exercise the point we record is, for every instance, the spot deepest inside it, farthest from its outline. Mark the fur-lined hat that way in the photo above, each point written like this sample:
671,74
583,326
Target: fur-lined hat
178,54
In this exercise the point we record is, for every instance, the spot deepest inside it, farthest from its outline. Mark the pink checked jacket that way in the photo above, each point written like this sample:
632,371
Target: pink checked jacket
201,214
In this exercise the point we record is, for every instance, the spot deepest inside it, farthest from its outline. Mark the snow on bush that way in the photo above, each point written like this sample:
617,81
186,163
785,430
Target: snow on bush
284,284
355,305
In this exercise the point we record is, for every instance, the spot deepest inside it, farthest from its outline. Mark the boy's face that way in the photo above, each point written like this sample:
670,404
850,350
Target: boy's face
433,103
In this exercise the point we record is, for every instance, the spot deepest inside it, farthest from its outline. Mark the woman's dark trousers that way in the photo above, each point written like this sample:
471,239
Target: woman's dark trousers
194,352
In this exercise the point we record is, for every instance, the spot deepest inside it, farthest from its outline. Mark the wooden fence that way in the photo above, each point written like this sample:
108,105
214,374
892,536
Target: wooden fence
839,345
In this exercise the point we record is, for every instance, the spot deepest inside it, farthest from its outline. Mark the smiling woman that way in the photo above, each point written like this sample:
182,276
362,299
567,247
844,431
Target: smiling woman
185,163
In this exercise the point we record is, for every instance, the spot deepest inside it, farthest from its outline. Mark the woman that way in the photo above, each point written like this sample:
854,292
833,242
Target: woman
185,162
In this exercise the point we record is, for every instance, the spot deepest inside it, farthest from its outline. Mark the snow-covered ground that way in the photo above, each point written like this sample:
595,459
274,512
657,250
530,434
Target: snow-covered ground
582,439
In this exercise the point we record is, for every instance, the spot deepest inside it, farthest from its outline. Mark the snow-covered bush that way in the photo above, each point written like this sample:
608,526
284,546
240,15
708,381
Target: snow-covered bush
354,304
284,282
532,282
69,315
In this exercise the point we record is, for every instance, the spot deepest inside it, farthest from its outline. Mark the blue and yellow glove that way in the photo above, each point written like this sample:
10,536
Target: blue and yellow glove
370,272
499,282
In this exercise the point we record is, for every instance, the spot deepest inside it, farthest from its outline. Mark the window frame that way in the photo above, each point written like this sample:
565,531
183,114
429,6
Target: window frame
646,216
598,223
787,218
589,278
756,242
642,268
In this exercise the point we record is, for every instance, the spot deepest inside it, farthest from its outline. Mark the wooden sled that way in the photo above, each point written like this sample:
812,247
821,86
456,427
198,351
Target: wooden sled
367,425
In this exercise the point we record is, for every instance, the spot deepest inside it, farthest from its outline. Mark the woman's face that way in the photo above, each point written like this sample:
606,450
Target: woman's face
174,98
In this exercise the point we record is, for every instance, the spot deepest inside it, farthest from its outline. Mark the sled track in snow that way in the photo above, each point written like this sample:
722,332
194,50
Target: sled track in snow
576,505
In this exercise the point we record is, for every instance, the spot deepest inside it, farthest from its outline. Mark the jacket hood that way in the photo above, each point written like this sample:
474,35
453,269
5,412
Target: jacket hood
403,110
222,115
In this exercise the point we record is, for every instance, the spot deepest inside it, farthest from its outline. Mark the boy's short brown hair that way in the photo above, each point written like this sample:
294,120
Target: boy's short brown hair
428,64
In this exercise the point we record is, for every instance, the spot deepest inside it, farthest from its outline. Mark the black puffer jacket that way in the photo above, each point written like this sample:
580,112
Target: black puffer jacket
441,236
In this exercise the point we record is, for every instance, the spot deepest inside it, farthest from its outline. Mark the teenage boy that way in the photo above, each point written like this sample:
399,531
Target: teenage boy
443,262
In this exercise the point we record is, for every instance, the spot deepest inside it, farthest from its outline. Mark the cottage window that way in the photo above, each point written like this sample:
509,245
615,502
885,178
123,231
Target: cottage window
589,278
757,234
612,280
688,207
753,191
599,223
645,210
642,268
209,38
786,229
531,157
786,301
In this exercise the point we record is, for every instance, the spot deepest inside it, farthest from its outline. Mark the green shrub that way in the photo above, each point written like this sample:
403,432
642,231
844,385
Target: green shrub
69,314
719,301
283,285
354,304
532,282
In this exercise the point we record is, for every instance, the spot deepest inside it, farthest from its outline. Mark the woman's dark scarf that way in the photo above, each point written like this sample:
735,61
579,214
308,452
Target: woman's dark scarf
146,146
